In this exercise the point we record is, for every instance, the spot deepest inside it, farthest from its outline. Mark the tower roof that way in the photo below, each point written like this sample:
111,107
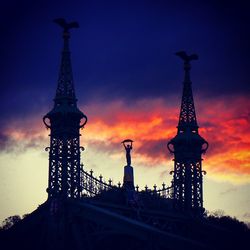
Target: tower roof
187,116
65,86
187,138
65,101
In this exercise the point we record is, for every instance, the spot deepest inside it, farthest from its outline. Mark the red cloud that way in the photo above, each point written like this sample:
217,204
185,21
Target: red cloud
224,123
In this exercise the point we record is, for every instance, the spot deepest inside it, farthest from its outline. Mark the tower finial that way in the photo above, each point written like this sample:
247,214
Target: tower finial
183,55
66,26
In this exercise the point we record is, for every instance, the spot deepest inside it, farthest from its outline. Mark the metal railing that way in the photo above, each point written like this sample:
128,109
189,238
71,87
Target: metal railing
92,186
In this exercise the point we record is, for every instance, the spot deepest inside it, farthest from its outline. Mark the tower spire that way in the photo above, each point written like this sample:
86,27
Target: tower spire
187,147
64,122
187,118
65,87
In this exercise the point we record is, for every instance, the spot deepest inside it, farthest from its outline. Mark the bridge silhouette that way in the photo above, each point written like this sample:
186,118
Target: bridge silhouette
85,212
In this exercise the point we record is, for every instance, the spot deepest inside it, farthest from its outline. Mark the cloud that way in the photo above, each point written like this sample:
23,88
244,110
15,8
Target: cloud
224,123
228,136
151,123
19,135
5,142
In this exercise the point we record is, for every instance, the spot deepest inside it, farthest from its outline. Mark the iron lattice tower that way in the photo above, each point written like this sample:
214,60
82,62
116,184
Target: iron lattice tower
187,147
64,122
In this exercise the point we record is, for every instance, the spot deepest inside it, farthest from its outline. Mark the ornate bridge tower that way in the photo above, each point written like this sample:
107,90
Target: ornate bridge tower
64,122
187,147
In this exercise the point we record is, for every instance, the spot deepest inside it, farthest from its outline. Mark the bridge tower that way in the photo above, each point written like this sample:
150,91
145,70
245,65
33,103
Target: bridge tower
188,147
64,122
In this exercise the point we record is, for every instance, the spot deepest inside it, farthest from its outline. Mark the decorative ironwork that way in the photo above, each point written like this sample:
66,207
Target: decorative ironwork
187,114
67,178
164,192
92,186
64,122
65,81
187,147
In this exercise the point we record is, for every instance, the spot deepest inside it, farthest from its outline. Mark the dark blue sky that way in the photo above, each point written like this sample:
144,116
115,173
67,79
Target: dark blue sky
122,50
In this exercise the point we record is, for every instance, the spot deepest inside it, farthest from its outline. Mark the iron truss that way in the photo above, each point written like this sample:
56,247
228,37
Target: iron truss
64,121
188,147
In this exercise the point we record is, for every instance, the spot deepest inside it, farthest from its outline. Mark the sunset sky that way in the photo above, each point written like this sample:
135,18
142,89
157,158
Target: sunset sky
128,82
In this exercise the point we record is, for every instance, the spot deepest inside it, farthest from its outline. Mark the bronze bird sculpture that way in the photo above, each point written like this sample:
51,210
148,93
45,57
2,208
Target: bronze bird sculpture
183,55
66,26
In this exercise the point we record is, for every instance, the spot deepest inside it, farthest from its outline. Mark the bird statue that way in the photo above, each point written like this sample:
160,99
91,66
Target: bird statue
66,26
183,55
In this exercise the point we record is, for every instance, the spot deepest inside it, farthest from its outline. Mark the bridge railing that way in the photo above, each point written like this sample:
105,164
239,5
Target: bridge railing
164,192
93,186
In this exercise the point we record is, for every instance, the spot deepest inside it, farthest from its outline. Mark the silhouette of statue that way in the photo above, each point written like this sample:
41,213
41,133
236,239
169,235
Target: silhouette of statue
66,26
183,55
128,147
128,156
187,59
128,178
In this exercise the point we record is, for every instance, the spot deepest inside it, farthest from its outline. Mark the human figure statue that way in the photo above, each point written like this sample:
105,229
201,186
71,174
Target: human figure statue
128,147
128,177
128,155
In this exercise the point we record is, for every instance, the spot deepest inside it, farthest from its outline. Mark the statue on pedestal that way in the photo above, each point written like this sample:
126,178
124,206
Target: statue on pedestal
128,179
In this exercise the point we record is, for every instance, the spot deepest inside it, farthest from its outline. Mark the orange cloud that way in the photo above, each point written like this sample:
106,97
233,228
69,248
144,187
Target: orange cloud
152,123
19,135
224,123
229,137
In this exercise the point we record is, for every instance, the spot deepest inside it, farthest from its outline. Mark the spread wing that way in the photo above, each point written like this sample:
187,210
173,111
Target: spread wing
66,26
183,55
